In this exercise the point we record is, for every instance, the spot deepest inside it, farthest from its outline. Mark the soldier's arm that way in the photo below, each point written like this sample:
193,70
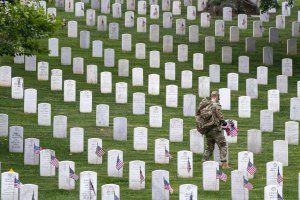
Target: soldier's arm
220,115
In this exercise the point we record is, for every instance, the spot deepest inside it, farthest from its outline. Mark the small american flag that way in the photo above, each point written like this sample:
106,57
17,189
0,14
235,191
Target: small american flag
92,187
279,197
167,154
188,167
115,196
279,177
54,161
251,169
167,186
119,163
99,151
72,174
142,178
247,184
17,183
37,149
32,198
230,129
221,175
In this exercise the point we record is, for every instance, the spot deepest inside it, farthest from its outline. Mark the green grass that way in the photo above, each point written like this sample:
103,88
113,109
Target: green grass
48,186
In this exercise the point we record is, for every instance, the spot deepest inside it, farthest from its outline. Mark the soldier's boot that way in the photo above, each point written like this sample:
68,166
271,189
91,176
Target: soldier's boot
225,165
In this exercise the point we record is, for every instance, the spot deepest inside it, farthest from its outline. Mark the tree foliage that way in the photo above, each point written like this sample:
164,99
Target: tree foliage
265,5
22,26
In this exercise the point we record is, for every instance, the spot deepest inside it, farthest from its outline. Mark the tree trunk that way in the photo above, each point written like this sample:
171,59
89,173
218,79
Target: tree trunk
215,7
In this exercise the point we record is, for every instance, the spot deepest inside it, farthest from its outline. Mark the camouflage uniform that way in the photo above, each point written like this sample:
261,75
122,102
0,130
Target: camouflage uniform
215,135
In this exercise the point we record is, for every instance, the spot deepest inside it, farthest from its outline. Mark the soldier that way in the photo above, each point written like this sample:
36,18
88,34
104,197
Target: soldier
215,134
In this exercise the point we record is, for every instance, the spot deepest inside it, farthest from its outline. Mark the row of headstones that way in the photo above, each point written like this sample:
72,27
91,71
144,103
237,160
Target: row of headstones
189,100
140,141
160,178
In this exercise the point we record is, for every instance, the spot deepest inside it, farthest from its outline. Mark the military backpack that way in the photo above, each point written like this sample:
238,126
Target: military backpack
206,117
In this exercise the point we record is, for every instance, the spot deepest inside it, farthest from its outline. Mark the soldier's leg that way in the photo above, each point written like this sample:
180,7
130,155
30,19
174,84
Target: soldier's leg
210,141
221,142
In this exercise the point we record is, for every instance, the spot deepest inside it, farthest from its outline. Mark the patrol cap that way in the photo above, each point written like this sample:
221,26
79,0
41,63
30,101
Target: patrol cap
214,93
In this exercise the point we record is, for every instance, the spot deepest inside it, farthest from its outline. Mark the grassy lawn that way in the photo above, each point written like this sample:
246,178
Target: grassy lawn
48,186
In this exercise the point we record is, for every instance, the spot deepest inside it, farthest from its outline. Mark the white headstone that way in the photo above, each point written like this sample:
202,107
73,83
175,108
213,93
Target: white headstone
286,9
227,14
225,98
113,31
142,7
188,191
86,101
102,115
266,120
53,44
30,63
176,7
282,83
171,96
105,6
121,92
167,19
189,105
238,191
30,157
112,160
252,88
170,71
176,130
273,100
201,5
30,100
166,5
123,67
140,50
3,125
155,116
214,73
227,55
109,57
209,44
234,34
205,19
280,22
105,82
258,29
243,159
154,12
43,71
196,142
5,76
92,74
233,81
158,186
243,64
19,59
69,91
120,128
117,10
129,19
126,42
191,13
287,66
110,191
198,61
46,168
295,109
281,152
264,16
180,26
154,33
79,9
60,124
204,86
56,79
262,75
168,44
141,25
72,29
254,139
210,181
130,4
78,65
69,5
64,180
138,103
137,76
66,56
28,192
93,145
272,169
219,28
44,114
88,179
140,141
186,79
97,48
76,140
185,164
182,54
154,59
244,107
102,23
271,192
161,146
153,84
136,172
292,132
8,191
17,88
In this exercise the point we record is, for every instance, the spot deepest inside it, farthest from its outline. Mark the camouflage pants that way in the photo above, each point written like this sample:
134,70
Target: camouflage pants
215,136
